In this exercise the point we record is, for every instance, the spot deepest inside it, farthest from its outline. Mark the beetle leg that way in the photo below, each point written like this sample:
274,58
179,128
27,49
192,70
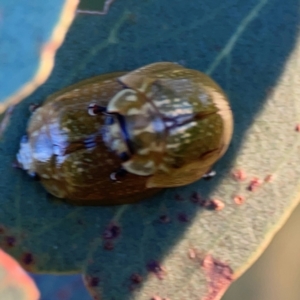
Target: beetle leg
33,107
16,165
209,175
124,156
34,175
116,176
24,139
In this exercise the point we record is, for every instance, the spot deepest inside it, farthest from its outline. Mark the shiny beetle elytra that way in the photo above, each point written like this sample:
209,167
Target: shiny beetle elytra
118,138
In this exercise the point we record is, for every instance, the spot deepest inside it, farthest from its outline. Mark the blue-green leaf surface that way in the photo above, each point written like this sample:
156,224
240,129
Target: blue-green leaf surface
250,48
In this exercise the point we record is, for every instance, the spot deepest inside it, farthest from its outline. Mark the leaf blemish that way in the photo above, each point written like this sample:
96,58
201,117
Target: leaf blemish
112,232
196,198
239,175
182,217
2,230
80,222
179,198
93,281
108,245
215,204
255,183
156,298
192,253
27,258
155,267
164,219
239,199
10,241
269,178
219,276
136,278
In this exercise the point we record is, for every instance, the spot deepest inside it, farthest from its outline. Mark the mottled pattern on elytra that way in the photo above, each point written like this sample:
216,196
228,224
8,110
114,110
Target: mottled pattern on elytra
197,139
83,173
171,123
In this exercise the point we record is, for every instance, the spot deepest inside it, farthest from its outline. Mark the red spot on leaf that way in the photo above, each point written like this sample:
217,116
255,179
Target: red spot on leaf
93,281
239,199
159,298
156,298
239,175
10,241
2,230
112,232
136,278
27,258
219,276
255,183
179,198
182,217
49,48
269,178
215,204
164,219
157,269
197,199
108,245
192,253
80,222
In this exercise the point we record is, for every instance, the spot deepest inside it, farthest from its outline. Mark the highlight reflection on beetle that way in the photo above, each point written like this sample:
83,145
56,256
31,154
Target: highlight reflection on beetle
118,138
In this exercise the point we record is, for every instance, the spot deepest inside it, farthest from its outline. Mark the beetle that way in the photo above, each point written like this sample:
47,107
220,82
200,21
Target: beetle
121,137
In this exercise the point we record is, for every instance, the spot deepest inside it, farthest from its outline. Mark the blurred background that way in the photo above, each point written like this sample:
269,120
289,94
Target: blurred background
276,274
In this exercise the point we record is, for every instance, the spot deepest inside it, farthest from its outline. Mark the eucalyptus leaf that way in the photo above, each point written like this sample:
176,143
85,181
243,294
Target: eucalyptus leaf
172,246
